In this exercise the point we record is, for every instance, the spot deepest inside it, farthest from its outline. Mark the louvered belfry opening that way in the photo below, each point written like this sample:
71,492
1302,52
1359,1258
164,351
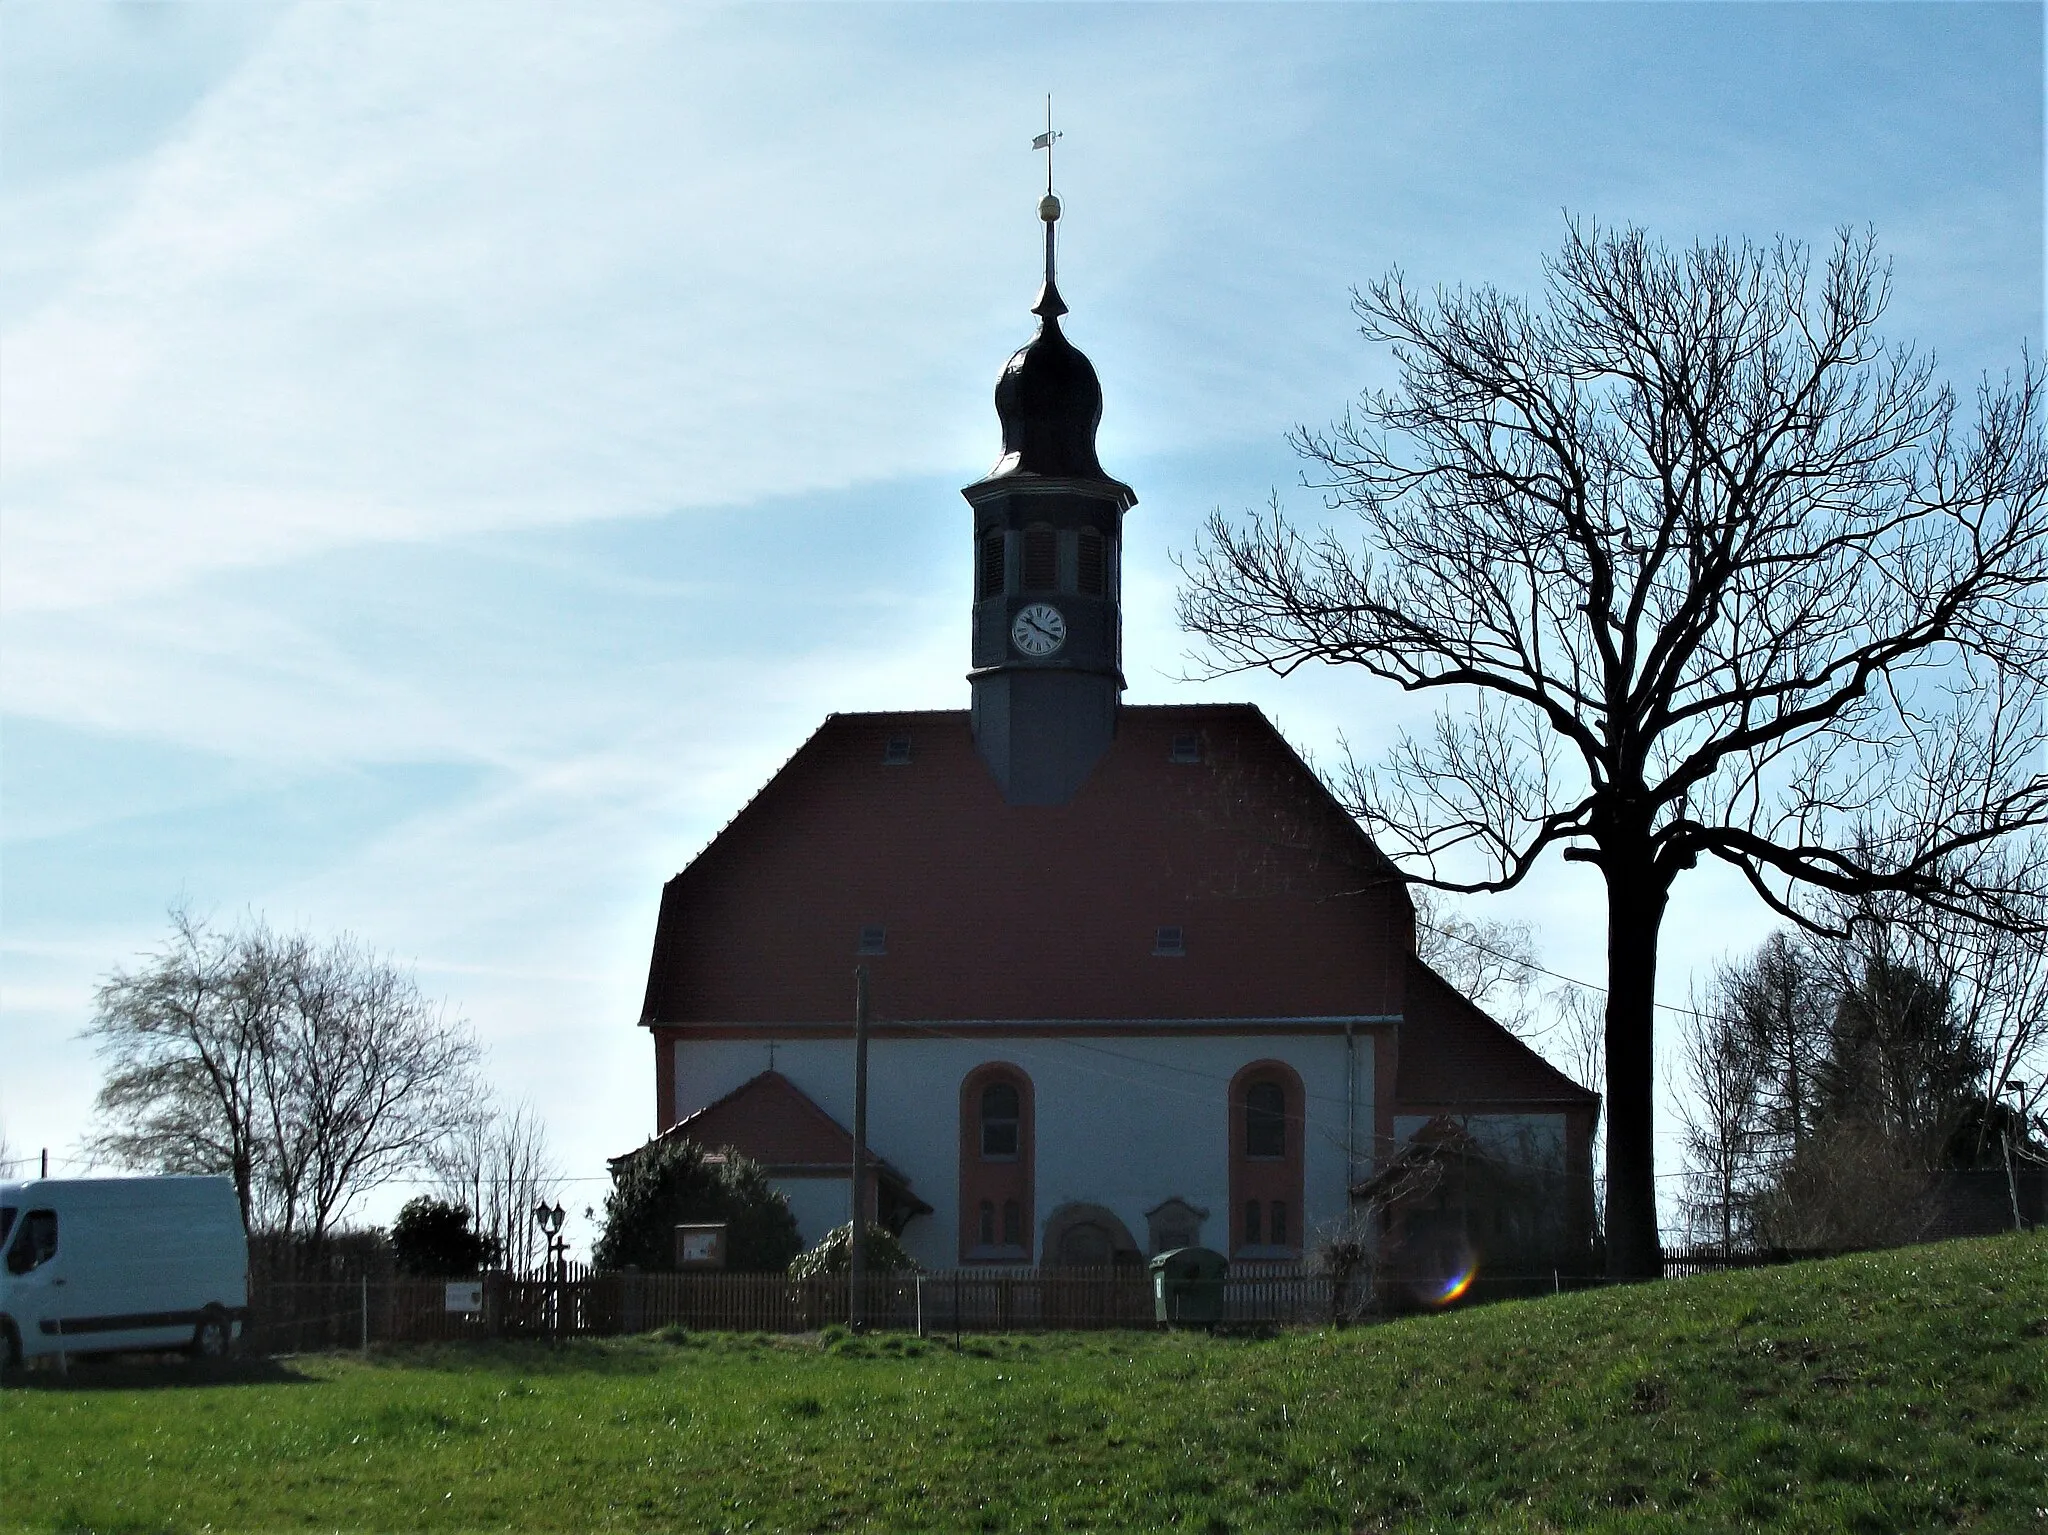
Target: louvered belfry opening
1092,569
1041,559
988,581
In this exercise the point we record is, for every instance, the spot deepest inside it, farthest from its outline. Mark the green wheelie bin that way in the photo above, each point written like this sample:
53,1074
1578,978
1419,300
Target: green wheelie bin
1187,1287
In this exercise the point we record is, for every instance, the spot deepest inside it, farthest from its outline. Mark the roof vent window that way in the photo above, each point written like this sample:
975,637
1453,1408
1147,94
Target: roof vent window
897,751
874,940
1186,748
1170,941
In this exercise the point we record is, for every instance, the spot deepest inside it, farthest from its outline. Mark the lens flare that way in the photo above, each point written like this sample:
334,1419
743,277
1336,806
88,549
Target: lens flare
1456,1285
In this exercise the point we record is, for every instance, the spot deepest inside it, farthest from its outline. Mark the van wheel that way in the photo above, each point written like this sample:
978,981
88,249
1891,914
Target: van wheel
212,1338
10,1348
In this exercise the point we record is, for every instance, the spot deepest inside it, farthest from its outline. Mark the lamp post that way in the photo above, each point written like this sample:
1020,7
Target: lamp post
549,1218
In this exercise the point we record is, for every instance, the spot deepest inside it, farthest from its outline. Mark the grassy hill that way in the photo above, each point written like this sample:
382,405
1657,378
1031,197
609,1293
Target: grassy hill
1891,1392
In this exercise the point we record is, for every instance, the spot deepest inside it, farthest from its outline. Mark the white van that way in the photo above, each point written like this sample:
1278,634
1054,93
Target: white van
99,1265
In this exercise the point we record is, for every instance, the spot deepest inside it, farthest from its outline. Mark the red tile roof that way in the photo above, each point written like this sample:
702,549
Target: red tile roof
1452,1053
772,1120
998,911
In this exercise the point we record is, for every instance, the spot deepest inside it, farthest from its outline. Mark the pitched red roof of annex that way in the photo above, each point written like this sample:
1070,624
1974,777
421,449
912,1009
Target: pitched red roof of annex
1020,912
1453,1053
772,1120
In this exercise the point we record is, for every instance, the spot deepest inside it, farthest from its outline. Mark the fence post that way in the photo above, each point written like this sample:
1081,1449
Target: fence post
366,1314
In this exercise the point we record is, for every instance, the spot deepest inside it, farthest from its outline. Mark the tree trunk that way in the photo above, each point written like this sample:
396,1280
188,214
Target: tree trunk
1635,912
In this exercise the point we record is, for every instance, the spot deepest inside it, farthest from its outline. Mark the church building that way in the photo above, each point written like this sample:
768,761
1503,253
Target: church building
1137,981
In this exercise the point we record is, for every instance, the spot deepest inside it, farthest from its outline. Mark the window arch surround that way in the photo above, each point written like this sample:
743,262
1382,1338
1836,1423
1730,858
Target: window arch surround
1267,1105
998,1154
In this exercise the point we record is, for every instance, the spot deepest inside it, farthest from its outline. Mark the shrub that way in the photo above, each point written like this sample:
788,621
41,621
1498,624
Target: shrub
673,1182
834,1255
432,1238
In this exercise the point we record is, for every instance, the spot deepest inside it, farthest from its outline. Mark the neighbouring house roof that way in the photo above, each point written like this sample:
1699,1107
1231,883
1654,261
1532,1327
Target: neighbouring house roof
1442,1139
773,1121
992,911
1452,1052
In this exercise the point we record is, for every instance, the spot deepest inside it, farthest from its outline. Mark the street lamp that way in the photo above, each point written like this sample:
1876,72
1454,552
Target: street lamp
549,1218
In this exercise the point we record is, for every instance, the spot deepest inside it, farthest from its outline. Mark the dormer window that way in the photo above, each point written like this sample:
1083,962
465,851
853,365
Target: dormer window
1092,567
988,569
1186,748
1041,559
873,940
896,751
1170,942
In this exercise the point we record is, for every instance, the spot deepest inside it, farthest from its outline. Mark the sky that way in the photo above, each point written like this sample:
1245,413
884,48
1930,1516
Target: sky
450,455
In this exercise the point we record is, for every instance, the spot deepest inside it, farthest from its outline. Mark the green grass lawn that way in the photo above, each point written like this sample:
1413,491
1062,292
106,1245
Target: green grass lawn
1902,1391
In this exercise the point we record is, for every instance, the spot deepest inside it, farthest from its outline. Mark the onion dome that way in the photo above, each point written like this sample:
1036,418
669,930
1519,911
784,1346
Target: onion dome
1047,396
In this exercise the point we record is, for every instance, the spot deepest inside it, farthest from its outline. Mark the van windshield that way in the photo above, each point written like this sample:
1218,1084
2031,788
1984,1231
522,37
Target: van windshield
6,1222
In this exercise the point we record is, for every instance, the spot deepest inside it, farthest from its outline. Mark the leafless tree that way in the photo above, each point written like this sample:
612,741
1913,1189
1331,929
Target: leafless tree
185,1037
1993,979
310,1073
1719,1115
1490,961
1707,571
496,1164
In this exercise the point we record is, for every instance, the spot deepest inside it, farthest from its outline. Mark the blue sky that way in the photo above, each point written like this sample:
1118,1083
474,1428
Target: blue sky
449,455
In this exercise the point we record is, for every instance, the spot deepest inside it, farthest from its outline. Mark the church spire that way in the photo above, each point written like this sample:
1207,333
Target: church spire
1048,534
1047,396
1049,305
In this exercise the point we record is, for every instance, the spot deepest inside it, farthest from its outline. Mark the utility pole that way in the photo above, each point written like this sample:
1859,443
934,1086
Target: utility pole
856,1309
2016,1090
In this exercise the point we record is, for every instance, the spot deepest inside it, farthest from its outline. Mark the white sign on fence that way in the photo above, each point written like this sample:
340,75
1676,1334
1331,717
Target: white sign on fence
467,1296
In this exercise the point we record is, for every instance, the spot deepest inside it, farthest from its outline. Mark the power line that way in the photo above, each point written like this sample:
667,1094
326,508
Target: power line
1557,975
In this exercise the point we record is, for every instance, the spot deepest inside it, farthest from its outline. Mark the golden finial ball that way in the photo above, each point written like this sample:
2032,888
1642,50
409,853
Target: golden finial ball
1048,207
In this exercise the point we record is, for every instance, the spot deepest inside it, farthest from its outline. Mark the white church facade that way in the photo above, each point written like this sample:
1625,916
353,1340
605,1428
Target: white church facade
1137,980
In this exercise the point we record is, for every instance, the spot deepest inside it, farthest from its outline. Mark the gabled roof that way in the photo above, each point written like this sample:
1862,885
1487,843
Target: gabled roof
776,1123
1451,1052
1017,912
772,1120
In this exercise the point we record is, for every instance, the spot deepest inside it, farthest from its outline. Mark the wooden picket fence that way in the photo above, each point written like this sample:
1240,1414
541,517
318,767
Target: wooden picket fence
288,1317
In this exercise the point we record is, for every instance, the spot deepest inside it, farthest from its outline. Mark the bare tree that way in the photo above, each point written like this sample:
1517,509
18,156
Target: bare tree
496,1164
1708,572
1719,1116
1490,961
186,1037
309,1073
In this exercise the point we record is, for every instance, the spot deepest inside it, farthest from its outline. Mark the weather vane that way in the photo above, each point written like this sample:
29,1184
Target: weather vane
1045,142
1049,210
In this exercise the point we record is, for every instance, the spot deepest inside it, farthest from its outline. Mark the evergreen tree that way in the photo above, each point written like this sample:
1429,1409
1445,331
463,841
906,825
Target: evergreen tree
432,1239
671,1182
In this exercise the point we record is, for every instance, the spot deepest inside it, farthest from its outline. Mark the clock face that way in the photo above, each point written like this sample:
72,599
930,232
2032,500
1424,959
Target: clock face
1038,629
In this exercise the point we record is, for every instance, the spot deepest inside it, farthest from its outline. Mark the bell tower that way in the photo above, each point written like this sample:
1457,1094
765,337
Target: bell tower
1048,543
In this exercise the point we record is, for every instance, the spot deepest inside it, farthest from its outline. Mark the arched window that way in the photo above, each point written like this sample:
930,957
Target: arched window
999,1122
1266,1140
996,1160
1265,1120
